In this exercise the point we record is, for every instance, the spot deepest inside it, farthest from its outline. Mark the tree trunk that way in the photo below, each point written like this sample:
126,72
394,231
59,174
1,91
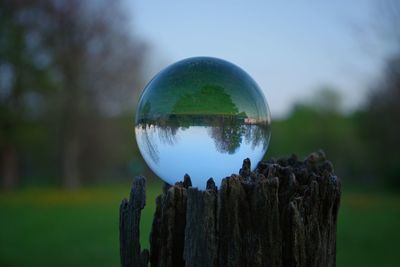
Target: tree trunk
9,168
282,214
70,161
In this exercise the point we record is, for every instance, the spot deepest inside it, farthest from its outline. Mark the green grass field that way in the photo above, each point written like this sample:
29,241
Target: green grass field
51,227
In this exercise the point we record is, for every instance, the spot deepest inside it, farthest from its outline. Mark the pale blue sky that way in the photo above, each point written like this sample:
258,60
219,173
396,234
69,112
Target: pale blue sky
291,50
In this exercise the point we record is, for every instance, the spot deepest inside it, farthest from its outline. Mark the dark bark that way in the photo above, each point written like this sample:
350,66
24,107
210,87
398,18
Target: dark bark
168,230
9,164
129,223
282,214
201,247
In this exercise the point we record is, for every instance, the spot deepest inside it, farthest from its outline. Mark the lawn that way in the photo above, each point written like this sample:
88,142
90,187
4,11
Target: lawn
51,227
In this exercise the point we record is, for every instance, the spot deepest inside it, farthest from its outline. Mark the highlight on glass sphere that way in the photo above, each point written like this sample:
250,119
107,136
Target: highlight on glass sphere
201,116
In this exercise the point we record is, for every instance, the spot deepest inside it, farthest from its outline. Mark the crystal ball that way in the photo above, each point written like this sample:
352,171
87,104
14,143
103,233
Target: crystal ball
201,116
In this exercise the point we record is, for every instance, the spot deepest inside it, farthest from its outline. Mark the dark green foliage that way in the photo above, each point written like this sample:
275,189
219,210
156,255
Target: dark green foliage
380,125
57,92
210,100
308,129
61,96
25,81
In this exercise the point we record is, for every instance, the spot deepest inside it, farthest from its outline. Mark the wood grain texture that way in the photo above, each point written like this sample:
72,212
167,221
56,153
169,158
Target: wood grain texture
129,223
283,213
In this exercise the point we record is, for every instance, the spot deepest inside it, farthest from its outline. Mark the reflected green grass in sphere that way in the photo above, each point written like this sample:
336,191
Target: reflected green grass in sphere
201,116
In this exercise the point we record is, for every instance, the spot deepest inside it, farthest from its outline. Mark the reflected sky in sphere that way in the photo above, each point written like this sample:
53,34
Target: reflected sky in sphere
201,116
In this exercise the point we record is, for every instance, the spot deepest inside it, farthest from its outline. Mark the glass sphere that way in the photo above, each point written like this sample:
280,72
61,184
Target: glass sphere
201,116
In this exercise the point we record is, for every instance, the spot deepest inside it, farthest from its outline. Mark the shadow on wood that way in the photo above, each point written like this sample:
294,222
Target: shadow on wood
283,213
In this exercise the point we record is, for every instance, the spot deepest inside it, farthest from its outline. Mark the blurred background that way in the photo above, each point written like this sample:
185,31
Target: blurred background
71,73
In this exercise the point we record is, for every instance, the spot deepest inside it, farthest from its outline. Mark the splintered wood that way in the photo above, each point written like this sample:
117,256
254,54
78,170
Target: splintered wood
283,213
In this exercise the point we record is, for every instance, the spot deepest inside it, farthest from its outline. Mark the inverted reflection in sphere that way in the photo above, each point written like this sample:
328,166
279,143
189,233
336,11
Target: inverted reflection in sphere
201,116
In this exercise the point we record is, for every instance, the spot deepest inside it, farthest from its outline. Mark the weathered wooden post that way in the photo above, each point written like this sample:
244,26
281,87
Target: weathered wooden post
129,222
282,214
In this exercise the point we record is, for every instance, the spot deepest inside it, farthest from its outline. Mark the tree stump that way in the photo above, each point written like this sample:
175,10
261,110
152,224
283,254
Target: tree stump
282,214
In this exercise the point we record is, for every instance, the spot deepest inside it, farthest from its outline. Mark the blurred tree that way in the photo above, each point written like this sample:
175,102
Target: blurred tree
87,54
381,124
319,124
380,120
327,100
23,78
99,61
